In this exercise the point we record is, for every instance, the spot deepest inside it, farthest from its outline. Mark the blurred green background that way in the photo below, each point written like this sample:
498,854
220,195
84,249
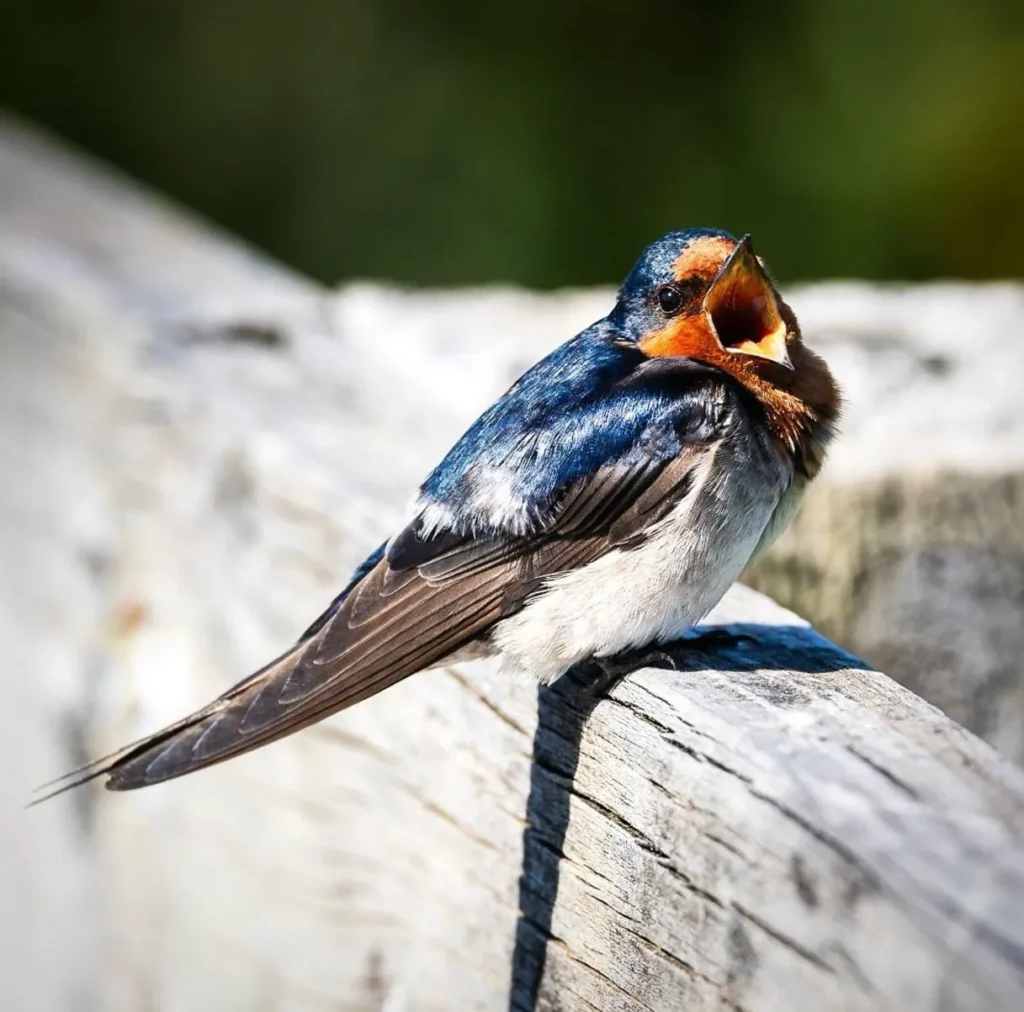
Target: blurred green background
454,141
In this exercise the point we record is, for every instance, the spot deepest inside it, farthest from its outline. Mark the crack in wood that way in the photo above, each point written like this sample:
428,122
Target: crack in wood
641,714
818,834
853,969
618,988
706,757
646,844
680,964
468,685
719,987
576,995
724,844
901,785
617,911
783,939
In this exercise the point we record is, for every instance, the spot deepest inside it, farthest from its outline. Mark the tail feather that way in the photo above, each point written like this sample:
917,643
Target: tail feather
203,738
135,751
113,761
385,627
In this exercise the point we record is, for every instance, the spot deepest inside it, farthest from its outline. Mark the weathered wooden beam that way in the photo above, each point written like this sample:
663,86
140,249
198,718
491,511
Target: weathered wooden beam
775,827
910,549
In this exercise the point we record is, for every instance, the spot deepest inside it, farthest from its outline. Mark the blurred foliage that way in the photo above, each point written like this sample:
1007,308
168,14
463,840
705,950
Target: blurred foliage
454,141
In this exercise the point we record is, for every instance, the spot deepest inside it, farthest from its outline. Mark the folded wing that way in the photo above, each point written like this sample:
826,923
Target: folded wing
423,599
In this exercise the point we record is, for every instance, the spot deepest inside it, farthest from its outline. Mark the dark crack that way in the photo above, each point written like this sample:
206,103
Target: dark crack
784,940
891,777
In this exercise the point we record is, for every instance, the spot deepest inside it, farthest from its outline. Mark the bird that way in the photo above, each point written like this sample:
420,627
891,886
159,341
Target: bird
597,510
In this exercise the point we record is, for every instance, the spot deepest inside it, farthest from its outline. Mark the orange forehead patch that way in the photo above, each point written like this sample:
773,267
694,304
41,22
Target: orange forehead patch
703,257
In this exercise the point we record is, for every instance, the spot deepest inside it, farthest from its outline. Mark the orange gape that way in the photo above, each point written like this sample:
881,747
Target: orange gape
744,329
740,313
686,337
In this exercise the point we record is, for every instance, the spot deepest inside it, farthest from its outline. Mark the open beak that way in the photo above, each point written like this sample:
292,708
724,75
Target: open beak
744,309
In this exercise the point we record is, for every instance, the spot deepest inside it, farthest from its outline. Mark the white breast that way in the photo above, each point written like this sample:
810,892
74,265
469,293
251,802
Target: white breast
656,591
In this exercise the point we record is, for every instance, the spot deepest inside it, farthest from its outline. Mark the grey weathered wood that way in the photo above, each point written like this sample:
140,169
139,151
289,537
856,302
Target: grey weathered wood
203,445
910,550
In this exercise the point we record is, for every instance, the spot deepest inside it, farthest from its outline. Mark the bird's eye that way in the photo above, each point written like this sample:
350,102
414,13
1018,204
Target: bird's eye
670,299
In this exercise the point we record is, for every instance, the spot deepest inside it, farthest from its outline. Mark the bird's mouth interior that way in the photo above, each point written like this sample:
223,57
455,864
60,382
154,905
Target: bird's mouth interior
744,310
740,319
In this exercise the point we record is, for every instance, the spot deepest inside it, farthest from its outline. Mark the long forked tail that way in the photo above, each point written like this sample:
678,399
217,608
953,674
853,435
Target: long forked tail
388,625
210,735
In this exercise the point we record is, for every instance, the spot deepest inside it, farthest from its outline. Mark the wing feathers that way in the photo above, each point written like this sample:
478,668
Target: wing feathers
401,618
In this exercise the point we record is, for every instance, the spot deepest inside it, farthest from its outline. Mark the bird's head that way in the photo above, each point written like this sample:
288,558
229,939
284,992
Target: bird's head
701,294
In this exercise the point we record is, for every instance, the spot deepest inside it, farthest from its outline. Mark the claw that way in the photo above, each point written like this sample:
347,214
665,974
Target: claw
611,670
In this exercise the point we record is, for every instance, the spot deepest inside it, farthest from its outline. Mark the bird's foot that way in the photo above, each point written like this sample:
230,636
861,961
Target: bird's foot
606,672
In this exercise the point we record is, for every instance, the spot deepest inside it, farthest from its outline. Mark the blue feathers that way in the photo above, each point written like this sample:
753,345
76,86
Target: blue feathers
635,313
655,264
554,423
589,403
586,405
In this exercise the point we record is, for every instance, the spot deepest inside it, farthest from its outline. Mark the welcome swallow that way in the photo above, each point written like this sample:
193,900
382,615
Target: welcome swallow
604,503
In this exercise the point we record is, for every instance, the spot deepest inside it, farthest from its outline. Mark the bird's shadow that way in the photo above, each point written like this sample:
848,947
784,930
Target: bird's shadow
562,712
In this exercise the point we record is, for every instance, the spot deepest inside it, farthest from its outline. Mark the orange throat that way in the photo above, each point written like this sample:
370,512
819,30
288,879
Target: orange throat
801,405
802,408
